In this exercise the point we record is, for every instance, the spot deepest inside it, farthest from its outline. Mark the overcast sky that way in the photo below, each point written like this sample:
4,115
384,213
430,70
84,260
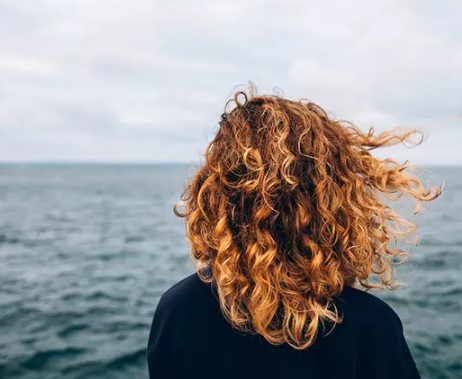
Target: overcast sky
146,80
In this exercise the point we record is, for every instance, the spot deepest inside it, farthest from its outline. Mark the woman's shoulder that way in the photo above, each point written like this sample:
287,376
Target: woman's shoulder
368,308
188,291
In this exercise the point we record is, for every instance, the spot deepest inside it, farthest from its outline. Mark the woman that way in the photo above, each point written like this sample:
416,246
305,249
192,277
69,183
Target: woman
286,221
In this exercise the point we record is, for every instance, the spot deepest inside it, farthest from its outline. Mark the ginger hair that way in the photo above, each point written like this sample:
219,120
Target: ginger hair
287,209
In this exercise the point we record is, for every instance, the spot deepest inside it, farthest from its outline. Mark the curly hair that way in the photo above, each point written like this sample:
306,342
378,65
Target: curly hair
286,210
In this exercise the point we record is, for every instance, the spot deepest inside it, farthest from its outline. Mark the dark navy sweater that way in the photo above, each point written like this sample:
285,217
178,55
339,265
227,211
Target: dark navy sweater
190,338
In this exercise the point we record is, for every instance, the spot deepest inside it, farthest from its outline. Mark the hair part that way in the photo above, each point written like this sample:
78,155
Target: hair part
286,210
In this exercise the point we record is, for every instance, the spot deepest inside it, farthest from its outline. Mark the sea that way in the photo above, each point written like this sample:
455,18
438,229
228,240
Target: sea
86,250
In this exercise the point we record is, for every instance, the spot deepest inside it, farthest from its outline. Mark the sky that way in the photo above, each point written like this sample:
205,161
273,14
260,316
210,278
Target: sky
146,80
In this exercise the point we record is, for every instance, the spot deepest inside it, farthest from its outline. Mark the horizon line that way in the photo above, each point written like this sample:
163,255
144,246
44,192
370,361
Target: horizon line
152,163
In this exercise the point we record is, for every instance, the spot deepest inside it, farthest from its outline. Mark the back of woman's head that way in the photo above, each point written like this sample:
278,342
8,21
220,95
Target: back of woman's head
286,210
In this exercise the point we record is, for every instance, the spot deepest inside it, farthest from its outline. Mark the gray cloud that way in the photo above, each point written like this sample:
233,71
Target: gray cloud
147,80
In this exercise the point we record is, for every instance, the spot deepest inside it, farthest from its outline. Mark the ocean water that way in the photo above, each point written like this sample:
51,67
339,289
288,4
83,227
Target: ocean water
86,251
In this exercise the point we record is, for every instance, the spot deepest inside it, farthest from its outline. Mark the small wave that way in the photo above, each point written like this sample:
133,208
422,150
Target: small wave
131,239
127,359
41,359
101,295
71,330
5,239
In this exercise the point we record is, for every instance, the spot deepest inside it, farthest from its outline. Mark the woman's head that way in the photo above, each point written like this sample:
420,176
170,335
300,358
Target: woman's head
288,208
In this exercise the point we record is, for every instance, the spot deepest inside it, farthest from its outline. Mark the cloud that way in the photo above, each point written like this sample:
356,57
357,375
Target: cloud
147,80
